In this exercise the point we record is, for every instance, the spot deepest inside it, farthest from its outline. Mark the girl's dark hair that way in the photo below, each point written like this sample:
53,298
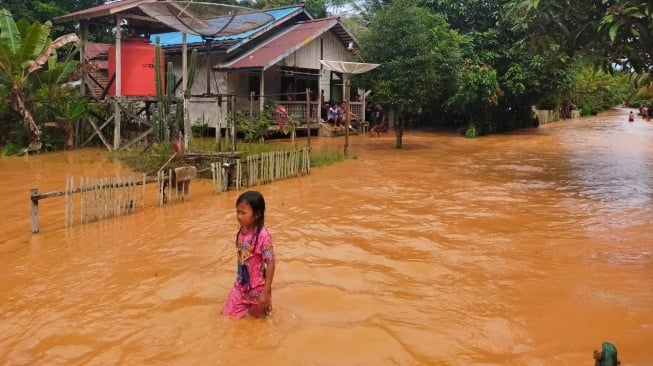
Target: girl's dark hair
255,200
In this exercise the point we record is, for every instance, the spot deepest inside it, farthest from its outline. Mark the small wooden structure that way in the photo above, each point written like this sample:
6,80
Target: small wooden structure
176,185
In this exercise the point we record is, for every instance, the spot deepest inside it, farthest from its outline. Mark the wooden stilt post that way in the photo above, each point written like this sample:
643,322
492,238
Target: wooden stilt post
170,185
238,174
308,116
143,195
82,199
233,123
34,209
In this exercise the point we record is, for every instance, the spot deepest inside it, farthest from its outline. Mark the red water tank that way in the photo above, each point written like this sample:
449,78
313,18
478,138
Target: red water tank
137,68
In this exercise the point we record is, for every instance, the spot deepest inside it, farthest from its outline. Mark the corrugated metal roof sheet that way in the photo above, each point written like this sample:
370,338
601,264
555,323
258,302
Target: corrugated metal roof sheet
174,38
283,45
158,16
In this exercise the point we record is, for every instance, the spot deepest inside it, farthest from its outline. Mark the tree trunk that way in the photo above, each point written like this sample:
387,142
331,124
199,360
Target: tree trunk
399,128
17,98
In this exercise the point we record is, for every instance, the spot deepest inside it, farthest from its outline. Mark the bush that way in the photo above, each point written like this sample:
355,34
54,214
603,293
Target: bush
11,149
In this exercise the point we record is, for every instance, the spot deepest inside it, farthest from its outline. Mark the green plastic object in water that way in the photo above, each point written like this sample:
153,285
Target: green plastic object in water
609,355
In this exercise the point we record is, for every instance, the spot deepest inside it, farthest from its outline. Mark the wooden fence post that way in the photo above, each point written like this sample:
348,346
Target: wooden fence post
34,205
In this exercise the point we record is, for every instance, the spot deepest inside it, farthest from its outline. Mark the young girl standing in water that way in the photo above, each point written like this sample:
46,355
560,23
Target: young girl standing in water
252,291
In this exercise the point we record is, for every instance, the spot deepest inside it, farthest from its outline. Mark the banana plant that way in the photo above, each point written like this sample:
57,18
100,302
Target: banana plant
63,106
24,49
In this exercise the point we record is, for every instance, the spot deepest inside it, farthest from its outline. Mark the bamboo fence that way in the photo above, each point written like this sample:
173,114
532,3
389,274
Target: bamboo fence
103,198
260,169
99,198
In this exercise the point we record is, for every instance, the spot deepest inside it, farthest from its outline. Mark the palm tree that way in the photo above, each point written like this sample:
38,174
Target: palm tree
24,49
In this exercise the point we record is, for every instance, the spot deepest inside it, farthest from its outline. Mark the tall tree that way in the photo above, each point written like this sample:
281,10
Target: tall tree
42,11
627,25
550,39
420,59
581,29
478,93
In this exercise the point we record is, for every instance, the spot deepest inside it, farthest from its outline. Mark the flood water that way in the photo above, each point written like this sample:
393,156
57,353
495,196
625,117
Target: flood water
528,248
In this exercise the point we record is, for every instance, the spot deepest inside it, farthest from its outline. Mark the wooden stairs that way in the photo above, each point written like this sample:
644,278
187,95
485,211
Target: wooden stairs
328,130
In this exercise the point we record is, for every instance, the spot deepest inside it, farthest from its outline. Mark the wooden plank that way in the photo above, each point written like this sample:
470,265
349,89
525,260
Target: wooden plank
99,132
39,196
184,174
137,138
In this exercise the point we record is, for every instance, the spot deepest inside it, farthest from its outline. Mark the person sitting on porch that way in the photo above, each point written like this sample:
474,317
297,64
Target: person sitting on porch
335,115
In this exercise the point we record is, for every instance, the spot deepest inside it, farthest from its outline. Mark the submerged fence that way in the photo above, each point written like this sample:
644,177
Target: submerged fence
103,198
260,169
99,198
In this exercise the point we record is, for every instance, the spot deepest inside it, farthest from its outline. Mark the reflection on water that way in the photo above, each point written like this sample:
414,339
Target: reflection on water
527,248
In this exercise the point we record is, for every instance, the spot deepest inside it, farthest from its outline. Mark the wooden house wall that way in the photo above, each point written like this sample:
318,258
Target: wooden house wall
203,109
207,110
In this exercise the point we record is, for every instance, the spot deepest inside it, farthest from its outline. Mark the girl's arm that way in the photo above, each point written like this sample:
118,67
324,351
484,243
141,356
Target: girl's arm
269,275
264,297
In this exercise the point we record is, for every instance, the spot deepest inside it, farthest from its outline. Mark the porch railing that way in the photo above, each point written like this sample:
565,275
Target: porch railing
296,109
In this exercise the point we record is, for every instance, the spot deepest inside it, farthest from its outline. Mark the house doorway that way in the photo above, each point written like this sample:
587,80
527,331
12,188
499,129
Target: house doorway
295,81
336,87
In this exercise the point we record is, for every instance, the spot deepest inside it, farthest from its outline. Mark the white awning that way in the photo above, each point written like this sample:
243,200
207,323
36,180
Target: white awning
348,67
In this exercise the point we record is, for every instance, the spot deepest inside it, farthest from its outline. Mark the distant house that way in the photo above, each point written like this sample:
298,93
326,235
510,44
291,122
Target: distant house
277,61
245,58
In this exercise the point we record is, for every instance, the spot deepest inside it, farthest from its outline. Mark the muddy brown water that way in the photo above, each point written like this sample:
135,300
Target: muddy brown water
527,248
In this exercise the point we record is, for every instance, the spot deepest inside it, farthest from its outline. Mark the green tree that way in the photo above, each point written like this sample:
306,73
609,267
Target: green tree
61,106
595,89
547,41
419,57
570,24
478,93
42,11
24,49
627,28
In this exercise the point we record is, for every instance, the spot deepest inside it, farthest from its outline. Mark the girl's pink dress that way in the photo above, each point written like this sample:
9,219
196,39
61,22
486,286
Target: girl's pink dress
253,251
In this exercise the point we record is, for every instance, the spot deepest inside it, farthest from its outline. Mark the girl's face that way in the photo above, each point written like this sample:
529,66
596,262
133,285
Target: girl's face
245,216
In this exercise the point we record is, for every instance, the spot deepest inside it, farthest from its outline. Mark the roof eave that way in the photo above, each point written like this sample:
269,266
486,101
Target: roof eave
101,11
288,52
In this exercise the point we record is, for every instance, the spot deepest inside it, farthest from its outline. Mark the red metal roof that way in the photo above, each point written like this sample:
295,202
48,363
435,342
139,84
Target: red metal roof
92,50
283,45
97,54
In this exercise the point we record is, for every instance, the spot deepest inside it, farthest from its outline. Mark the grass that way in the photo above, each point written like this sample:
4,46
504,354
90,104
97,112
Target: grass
326,157
150,160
